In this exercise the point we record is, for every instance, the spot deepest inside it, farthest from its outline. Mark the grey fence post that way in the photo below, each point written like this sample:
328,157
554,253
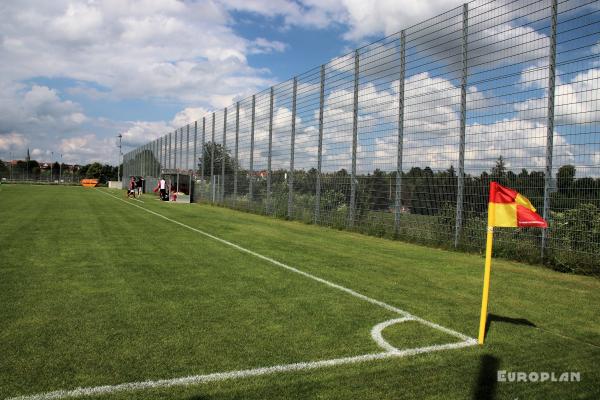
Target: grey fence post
154,157
167,150
460,191
187,160
175,150
270,151
181,148
157,169
224,155
548,186
187,147
236,164
292,151
317,216
195,153
159,154
151,165
398,203
142,160
194,164
149,159
251,177
202,168
212,160
352,209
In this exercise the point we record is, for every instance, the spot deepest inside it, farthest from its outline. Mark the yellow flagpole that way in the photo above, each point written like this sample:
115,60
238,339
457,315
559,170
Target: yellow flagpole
488,268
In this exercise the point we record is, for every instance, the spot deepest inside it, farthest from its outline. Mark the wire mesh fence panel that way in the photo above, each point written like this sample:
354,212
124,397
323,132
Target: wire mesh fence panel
279,170
244,159
260,151
338,117
306,201
402,137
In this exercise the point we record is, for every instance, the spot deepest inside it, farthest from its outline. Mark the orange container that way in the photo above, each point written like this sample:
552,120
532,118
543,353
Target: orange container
89,182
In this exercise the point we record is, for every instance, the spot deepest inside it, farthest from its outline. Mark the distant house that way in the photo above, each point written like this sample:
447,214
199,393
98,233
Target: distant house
259,174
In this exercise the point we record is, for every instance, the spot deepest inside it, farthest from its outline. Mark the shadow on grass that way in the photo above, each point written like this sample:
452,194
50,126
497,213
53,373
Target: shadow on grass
499,318
485,387
198,397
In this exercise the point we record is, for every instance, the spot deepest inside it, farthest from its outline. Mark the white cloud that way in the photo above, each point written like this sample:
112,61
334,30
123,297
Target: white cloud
12,142
188,116
88,147
167,49
37,112
262,46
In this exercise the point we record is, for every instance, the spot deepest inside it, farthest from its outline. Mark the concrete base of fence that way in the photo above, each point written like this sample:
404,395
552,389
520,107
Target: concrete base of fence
115,185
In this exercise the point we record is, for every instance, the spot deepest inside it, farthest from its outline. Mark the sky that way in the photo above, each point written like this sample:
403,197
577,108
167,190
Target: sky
75,74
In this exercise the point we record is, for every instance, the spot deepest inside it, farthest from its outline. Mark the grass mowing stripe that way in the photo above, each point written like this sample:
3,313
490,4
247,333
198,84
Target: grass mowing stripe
221,376
306,274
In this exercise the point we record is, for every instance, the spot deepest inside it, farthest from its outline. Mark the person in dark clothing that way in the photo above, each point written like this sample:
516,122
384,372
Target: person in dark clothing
139,183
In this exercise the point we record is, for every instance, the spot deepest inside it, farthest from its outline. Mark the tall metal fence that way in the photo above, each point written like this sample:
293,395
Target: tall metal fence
17,168
401,138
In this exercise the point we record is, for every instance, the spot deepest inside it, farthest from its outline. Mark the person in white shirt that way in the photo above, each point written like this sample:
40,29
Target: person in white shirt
162,188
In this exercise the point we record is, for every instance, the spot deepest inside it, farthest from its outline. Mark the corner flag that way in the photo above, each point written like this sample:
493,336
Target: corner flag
506,208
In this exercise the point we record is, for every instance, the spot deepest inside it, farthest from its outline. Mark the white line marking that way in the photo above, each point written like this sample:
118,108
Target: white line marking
221,376
378,337
390,352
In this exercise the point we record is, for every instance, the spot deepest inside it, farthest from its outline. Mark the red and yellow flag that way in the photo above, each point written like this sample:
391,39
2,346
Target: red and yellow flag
507,208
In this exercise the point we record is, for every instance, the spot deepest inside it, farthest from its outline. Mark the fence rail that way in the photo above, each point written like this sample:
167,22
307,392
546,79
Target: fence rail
400,138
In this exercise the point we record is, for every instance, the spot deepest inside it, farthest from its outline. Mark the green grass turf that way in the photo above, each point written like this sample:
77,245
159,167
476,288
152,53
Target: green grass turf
95,292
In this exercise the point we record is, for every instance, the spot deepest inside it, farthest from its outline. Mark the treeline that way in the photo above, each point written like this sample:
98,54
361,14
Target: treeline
423,191
32,170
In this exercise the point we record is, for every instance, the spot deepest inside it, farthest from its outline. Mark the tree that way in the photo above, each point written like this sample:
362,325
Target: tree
379,190
221,156
4,170
93,170
499,170
55,171
565,178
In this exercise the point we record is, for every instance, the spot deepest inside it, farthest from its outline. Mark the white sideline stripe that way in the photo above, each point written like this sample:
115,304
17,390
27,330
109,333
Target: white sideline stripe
306,274
221,376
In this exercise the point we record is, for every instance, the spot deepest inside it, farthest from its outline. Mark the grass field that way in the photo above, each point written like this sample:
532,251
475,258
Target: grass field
99,291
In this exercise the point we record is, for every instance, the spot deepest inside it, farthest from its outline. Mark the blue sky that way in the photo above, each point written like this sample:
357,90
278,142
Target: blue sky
80,72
